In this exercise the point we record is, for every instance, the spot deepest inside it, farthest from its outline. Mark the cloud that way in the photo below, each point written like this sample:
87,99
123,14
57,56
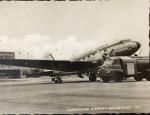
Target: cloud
38,46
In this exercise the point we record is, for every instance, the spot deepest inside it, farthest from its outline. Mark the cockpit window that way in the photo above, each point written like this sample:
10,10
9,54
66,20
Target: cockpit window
124,41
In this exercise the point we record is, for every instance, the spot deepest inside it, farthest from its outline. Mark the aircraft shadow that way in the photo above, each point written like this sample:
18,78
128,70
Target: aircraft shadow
76,82
86,81
67,82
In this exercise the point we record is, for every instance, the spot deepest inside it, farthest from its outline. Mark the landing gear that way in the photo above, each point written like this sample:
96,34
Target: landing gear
57,80
92,77
80,75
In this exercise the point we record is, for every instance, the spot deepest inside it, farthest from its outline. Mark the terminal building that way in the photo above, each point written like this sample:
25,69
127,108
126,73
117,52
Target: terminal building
7,71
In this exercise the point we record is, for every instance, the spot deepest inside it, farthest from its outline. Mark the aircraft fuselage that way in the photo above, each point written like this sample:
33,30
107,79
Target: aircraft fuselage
121,48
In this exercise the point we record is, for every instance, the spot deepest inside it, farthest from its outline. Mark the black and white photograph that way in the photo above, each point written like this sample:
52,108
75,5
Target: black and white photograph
74,56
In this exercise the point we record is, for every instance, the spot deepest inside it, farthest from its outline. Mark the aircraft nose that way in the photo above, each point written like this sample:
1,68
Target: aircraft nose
138,45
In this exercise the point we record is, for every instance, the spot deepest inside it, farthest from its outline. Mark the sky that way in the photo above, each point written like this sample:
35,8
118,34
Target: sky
34,29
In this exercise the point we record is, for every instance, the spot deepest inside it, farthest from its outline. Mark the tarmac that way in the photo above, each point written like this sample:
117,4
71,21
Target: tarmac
74,95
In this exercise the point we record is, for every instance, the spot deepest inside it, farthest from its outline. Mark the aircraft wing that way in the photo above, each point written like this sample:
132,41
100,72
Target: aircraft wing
59,65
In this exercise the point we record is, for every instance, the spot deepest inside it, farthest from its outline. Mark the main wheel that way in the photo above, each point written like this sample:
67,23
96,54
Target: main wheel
53,79
92,77
58,80
105,79
138,78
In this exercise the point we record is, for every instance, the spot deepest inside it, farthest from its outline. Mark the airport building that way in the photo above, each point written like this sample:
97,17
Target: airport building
7,71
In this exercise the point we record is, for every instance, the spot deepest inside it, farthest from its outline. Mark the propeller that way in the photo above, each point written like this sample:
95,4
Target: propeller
51,56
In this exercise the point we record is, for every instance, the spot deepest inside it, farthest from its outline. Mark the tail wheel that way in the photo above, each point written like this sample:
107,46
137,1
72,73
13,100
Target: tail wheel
105,79
138,78
92,77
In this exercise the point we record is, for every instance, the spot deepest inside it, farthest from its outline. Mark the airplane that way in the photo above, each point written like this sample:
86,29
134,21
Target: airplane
86,63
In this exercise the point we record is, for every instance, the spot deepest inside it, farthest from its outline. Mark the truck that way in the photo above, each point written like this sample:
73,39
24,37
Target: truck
119,68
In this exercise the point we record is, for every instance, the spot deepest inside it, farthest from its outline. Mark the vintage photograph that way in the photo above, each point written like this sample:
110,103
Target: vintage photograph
74,56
